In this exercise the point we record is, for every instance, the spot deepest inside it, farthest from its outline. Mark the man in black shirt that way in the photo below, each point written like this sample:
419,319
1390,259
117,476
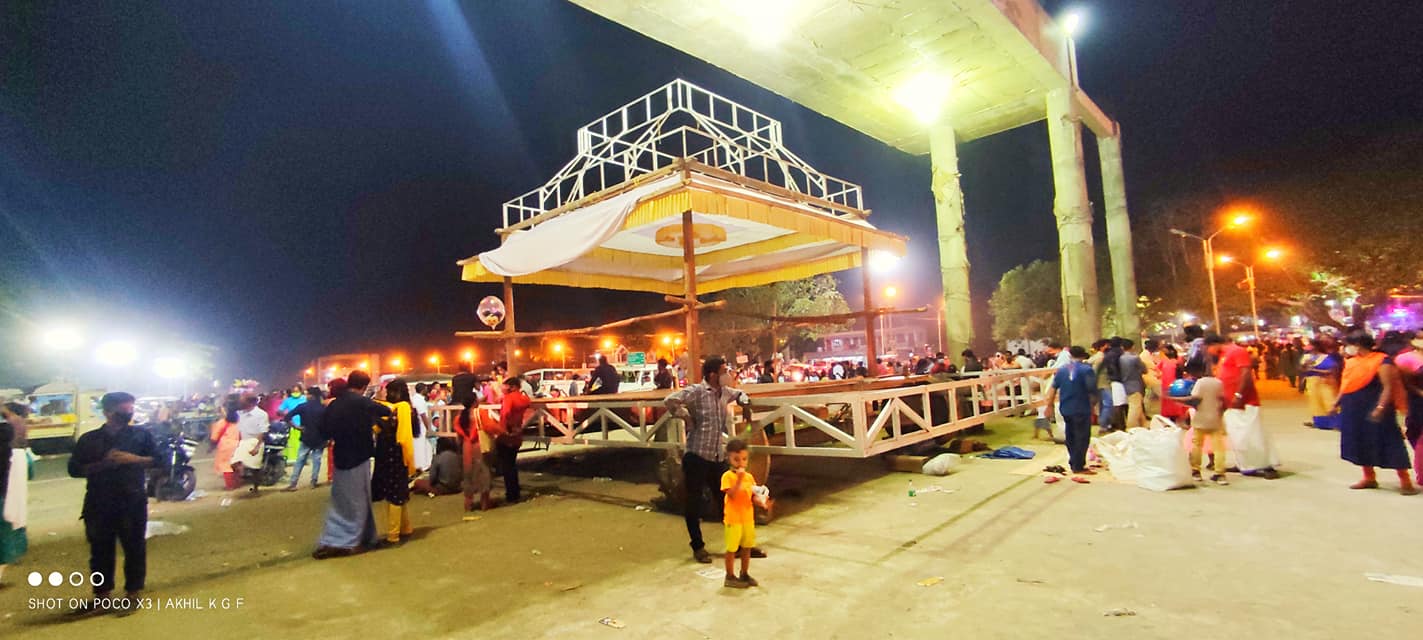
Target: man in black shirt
604,380
348,421
664,379
313,442
113,459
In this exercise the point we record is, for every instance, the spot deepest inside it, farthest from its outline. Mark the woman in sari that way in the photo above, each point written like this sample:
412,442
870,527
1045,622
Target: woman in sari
1320,368
1169,364
1370,394
15,472
224,436
477,479
395,460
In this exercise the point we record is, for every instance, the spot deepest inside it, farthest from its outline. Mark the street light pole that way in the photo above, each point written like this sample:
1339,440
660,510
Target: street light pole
1210,272
1254,312
1207,246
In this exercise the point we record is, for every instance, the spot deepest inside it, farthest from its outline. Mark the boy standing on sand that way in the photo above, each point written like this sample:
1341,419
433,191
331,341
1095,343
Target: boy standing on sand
739,516
1208,397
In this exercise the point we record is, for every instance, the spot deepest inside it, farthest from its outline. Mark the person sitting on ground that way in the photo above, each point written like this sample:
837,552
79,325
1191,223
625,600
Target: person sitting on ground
446,472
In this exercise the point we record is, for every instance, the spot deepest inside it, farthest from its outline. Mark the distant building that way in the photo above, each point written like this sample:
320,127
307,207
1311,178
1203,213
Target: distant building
901,338
326,368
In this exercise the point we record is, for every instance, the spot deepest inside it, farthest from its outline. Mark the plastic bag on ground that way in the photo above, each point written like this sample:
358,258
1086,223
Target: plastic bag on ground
1114,449
1251,448
941,464
1161,460
163,528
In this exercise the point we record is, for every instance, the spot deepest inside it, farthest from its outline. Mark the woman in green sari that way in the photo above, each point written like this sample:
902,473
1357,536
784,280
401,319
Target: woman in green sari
14,473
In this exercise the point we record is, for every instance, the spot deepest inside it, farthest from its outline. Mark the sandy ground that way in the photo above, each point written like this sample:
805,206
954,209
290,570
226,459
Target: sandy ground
1017,558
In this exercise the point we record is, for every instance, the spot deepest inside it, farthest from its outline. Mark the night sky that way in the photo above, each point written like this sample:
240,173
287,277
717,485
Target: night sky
286,179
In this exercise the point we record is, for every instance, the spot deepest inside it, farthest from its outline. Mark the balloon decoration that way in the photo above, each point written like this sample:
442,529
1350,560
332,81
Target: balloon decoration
491,311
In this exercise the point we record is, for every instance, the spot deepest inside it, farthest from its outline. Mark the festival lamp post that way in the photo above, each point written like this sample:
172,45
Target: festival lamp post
1269,254
562,355
1236,221
435,362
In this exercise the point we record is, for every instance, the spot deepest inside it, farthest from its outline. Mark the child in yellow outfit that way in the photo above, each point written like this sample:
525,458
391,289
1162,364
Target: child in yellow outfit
739,515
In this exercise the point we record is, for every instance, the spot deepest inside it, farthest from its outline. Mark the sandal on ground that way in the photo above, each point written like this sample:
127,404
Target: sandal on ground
1081,480
1051,480
1365,484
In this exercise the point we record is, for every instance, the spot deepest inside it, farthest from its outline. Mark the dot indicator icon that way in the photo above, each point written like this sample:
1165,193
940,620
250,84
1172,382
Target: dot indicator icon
36,578
56,578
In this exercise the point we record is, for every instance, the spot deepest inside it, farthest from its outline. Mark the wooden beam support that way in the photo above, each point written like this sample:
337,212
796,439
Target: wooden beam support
871,349
836,318
511,343
504,335
689,283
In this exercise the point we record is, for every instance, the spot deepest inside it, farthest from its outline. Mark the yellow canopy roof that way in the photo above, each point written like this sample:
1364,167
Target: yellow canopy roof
767,238
612,218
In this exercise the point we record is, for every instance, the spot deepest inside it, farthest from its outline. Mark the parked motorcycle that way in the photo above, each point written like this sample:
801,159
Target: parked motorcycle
274,457
172,477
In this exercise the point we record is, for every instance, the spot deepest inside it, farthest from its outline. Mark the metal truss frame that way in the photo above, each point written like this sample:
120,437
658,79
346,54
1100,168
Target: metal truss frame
680,121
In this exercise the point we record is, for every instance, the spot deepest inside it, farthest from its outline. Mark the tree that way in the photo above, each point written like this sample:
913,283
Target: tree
1349,224
1028,303
728,333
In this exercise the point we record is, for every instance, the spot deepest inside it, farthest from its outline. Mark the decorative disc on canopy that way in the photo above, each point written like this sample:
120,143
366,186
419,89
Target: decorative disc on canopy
703,235
490,311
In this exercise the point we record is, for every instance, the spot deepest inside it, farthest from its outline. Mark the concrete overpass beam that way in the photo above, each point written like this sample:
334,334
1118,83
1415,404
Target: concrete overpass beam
953,249
1073,211
1119,239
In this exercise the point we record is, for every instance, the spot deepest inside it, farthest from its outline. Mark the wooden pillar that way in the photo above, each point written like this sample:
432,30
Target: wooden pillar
511,345
689,283
871,350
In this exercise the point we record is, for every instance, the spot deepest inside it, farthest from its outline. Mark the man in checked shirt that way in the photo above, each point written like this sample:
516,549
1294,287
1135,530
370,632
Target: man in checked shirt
703,408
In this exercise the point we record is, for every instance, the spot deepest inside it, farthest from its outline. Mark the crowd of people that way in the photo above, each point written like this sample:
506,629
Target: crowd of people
1359,389
381,445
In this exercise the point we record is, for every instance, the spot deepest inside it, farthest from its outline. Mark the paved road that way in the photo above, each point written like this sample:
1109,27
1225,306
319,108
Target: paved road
1001,555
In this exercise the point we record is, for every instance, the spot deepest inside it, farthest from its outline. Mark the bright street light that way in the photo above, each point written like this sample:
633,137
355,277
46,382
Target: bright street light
1225,260
1274,254
1072,21
890,292
62,338
468,355
924,95
116,353
607,343
170,367
883,261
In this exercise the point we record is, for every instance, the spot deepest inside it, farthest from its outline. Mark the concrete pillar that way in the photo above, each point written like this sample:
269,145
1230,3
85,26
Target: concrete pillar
1073,211
953,249
1114,194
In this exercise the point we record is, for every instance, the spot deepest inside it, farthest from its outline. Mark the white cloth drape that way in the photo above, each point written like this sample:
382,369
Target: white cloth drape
563,239
17,493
